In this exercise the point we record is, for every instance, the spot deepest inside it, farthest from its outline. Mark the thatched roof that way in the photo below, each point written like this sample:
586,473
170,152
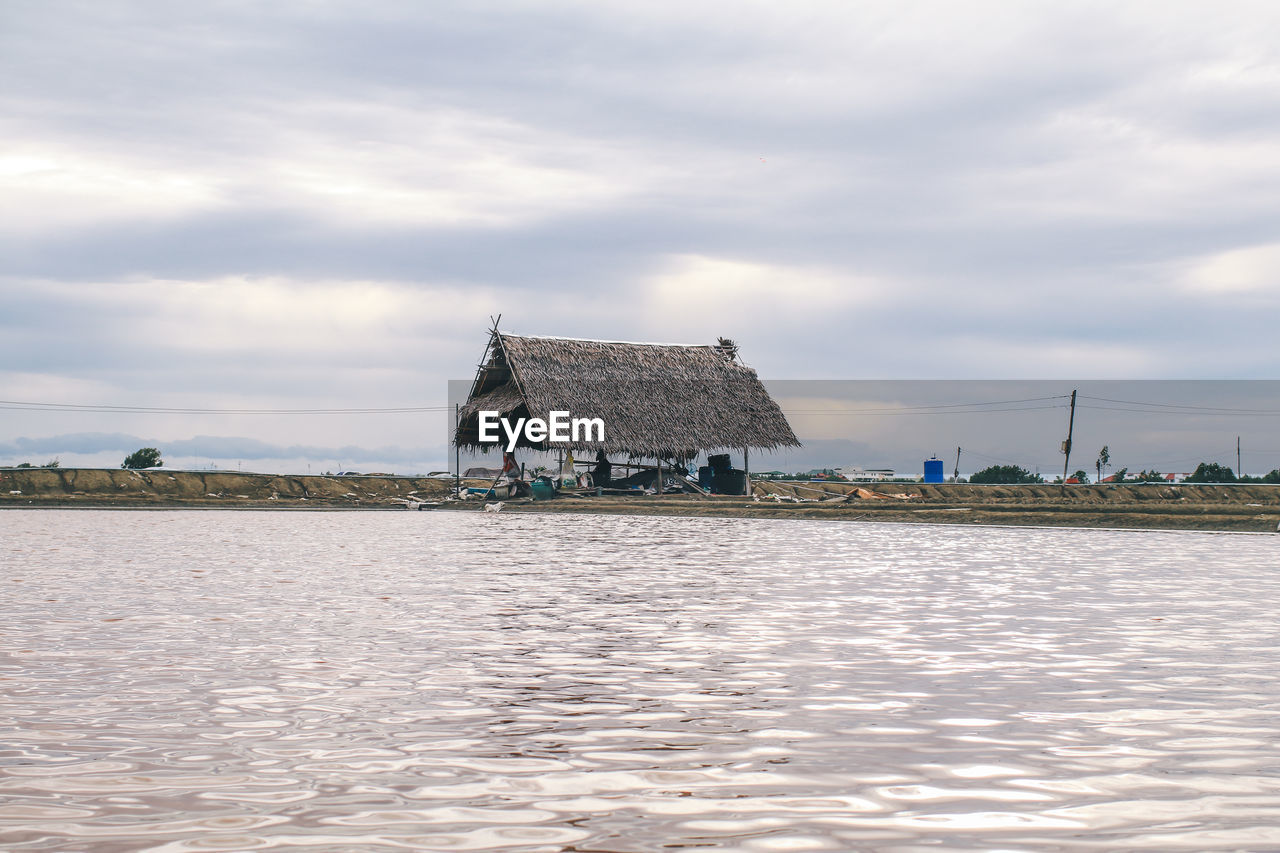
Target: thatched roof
655,399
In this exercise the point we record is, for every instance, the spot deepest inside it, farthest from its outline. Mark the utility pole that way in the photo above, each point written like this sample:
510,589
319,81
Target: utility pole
1239,473
1066,445
955,478
457,452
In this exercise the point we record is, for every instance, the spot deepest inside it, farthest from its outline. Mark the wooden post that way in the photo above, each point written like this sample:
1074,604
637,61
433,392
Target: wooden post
657,487
746,469
1066,445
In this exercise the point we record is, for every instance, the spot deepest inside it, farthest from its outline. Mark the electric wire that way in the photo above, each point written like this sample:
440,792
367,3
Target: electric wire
1190,408
901,412
939,408
164,410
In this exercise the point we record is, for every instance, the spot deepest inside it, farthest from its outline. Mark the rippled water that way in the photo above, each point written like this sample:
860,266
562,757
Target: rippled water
179,681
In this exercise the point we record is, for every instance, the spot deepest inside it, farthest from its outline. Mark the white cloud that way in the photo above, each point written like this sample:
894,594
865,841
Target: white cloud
1250,271
49,185
359,164
751,296
371,165
1048,355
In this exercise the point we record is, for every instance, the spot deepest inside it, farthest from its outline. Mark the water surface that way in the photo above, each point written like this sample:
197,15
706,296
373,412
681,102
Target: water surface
185,680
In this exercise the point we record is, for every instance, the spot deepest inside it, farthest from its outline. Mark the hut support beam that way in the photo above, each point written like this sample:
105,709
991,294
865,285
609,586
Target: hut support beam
746,470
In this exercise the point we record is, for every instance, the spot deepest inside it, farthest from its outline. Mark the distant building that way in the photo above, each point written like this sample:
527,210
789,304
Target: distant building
1130,478
866,475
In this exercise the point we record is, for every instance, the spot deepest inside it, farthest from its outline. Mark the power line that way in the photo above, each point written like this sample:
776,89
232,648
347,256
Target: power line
1200,413
161,410
1003,460
871,413
1220,410
952,405
939,408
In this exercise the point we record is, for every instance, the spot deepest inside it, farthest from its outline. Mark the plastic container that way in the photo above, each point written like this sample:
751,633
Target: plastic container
731,482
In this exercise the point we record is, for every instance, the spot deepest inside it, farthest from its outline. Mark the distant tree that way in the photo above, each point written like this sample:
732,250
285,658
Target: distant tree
1272,476
1005,474
1080,476
24,465
1104,456
1151,476
145,457
1212,472
55,462
1121,474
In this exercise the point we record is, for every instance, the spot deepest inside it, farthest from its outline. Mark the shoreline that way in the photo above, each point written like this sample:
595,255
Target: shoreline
1200,518
1244,508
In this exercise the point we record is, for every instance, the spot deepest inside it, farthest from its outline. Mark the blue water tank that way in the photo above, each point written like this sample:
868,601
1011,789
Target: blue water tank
933,471
731,482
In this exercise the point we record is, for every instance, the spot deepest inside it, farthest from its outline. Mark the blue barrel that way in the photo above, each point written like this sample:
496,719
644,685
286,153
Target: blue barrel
933,471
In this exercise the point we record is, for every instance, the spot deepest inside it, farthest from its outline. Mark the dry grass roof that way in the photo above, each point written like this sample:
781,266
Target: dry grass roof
654,399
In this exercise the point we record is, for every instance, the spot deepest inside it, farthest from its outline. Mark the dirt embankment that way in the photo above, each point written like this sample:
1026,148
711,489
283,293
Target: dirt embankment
153,488
1244,508
1181,507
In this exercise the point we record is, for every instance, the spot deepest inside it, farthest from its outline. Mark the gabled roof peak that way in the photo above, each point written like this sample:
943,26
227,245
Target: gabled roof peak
600,341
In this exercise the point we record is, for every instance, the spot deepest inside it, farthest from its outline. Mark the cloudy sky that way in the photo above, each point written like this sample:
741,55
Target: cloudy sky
245,206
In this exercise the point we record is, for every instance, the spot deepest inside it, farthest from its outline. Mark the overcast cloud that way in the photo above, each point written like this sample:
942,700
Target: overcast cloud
304,205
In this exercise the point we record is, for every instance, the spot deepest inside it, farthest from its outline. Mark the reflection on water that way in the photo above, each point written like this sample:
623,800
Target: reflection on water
186,681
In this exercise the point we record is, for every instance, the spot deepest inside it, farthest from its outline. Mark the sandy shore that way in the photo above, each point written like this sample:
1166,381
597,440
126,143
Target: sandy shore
1250,508
1210,516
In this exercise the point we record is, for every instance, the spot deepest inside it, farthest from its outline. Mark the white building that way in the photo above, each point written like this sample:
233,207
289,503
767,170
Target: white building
866,475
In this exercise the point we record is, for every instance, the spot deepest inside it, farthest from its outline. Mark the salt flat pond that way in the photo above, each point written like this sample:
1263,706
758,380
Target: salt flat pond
186,680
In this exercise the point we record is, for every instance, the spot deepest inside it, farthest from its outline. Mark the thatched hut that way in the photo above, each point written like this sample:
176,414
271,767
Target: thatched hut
656,400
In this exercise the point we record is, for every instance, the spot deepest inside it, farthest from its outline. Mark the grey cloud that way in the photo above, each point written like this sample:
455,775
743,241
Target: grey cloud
89,442
207,447
996,172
